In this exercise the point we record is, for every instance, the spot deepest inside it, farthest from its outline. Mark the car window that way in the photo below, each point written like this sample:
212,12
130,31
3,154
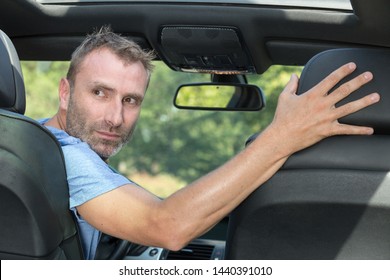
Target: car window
170,147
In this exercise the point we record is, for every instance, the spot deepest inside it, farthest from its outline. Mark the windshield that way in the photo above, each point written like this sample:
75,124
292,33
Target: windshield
170,147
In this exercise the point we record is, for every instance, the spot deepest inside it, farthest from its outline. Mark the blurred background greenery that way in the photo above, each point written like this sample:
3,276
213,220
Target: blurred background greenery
170,147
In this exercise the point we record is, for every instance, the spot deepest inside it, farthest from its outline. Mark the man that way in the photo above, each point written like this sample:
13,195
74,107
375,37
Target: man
100,101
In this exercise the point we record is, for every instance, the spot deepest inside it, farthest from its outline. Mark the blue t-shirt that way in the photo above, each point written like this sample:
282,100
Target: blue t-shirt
88,177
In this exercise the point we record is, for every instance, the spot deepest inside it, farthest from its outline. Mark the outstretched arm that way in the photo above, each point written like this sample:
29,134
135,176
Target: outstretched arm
300,121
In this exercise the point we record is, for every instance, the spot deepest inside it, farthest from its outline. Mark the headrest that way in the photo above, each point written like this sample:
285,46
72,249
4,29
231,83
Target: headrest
376,61
12,94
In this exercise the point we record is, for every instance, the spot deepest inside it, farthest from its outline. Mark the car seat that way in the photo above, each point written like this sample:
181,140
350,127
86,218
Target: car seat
34,201
331,200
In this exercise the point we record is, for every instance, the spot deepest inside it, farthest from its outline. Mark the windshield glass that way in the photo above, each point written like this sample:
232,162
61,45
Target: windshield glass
170,147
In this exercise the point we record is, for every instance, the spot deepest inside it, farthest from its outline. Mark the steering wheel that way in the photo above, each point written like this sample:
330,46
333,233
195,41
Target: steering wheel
112,248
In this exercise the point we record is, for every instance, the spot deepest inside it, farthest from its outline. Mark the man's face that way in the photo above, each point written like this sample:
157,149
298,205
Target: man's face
105,102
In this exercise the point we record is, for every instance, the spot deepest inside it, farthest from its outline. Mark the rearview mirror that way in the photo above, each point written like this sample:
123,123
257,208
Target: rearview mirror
226,97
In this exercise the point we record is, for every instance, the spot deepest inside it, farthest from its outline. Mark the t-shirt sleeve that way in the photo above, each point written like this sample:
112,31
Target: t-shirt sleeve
88,175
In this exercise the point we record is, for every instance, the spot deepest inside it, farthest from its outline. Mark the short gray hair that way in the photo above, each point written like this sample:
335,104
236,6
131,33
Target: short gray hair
127,50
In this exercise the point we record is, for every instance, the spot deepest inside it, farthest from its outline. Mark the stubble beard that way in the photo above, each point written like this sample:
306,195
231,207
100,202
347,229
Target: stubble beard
77,126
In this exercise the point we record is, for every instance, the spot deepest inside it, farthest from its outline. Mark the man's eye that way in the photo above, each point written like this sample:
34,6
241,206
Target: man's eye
99,92
130,100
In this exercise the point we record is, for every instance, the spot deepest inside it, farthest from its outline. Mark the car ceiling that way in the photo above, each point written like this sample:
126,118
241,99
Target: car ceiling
271,34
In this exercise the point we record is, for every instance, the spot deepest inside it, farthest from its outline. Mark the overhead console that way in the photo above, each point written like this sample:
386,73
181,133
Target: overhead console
209,49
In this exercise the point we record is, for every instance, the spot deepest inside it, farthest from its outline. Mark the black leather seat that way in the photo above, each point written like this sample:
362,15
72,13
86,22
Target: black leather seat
332,200
34,216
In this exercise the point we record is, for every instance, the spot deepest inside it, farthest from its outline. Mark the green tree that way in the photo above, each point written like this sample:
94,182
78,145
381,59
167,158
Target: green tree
41,80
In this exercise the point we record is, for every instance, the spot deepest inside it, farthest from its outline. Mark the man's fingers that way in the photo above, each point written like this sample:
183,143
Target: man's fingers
292,84
333,78
347,88
345,129
356,105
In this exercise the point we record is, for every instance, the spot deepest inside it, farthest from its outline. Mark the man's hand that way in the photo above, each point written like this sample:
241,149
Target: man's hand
302,120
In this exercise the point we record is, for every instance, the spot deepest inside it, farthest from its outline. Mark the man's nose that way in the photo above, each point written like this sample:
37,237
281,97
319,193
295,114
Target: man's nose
114,113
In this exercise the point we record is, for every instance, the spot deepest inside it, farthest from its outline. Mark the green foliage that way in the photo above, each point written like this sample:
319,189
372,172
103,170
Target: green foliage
42,79
184,144
205,96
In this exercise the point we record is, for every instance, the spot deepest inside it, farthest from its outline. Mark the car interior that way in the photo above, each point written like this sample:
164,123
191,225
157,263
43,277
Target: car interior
330,201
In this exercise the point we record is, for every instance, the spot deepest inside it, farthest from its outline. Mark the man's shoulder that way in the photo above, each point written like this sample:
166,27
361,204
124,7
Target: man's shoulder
62,137
75,150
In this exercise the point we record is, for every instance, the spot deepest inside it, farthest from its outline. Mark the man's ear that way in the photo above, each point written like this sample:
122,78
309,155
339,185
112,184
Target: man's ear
64,93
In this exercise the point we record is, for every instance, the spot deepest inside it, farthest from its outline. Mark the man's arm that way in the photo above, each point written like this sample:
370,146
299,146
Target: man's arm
300,121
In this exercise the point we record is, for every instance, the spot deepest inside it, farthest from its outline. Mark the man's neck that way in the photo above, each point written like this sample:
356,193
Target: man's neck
56,121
